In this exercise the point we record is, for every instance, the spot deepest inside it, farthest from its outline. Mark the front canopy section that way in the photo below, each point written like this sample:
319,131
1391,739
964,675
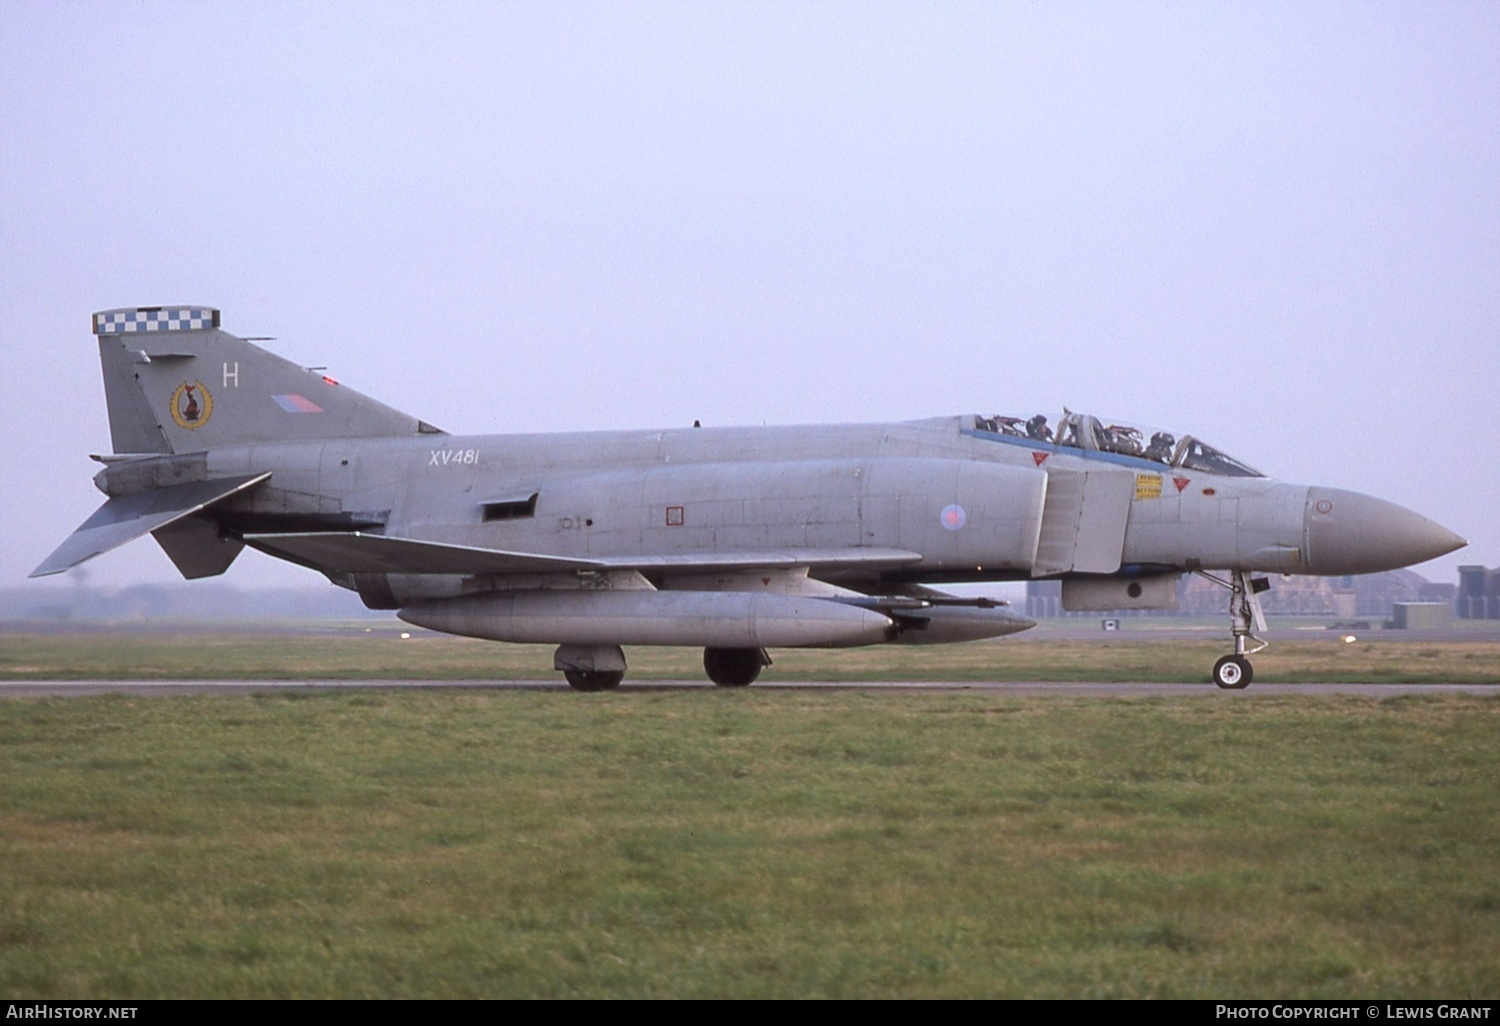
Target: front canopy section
1118,438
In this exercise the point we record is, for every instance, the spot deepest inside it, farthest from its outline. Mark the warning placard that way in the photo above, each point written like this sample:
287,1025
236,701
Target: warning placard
1148,486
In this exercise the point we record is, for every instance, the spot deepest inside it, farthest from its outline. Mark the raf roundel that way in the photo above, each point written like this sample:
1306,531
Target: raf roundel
953,517
192,405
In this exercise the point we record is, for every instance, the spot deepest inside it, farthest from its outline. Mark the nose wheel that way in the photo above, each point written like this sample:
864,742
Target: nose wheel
1233,672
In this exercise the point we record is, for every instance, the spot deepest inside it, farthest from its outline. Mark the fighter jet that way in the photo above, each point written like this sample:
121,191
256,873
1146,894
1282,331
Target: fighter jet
735,540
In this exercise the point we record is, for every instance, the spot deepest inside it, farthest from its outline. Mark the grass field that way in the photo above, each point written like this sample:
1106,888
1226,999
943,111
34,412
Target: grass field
711,842
382,654
742,843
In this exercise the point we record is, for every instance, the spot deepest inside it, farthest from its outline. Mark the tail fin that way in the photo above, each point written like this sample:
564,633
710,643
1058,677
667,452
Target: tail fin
174,383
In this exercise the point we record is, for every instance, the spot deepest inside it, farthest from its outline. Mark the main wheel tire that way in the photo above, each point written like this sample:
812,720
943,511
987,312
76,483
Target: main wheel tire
594,680
732,667
1233,673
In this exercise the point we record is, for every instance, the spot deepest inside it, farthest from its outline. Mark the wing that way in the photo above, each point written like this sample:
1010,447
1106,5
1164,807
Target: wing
361,553
127,517
813,559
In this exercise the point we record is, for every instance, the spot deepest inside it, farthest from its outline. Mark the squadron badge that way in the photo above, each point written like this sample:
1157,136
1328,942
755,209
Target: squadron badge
192,405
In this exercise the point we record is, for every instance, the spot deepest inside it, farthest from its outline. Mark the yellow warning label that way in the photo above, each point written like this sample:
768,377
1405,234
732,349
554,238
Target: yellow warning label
1148,486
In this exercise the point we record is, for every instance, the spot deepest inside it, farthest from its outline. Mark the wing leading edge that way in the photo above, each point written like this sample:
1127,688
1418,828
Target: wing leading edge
361,553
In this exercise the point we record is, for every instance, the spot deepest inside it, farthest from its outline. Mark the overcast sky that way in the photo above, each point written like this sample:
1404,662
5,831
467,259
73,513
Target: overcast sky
1276,226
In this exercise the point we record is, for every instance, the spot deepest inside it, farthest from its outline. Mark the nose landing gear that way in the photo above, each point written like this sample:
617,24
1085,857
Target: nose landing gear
1234,672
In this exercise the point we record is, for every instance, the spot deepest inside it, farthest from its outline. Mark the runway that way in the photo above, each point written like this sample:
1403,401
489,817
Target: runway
1028,689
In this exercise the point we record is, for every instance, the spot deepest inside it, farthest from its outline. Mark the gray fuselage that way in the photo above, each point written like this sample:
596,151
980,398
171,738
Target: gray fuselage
637,493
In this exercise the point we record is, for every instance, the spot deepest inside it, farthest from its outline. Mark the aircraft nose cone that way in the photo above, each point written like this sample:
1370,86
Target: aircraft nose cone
1350,533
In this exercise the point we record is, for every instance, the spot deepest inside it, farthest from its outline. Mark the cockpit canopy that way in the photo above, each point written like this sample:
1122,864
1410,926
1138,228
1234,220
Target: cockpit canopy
1089,433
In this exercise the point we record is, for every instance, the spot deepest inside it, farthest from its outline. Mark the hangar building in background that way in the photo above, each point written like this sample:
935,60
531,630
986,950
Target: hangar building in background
1478,593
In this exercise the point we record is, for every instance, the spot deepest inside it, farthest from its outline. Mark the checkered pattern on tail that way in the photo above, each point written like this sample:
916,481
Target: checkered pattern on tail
155,318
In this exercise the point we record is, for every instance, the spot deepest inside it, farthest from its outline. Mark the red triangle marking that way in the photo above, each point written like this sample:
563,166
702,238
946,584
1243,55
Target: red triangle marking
766,581
1181,482
1040,457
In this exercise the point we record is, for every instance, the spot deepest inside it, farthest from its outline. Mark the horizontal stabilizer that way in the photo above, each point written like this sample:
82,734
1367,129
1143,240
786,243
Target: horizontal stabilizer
359,553
127,517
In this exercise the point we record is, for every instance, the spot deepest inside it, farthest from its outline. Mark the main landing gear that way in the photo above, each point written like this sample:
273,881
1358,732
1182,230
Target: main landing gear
602,667
594,680
1234,672
591,667
734,667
